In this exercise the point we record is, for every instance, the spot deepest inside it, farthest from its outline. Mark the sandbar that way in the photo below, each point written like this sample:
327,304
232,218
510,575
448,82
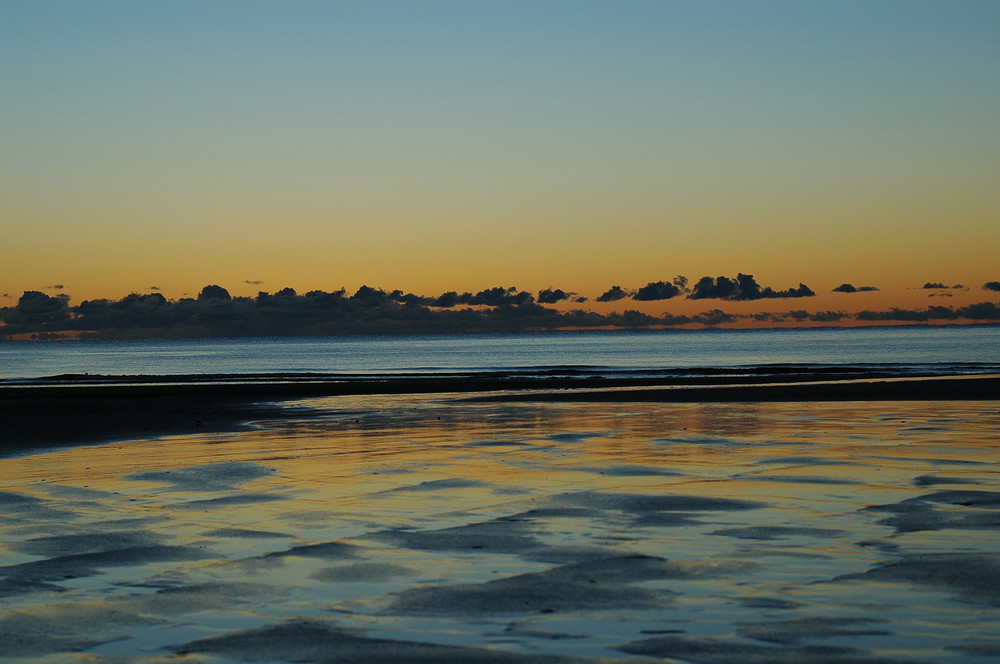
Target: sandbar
87,409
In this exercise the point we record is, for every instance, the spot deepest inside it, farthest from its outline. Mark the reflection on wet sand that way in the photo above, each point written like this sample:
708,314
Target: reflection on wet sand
409,528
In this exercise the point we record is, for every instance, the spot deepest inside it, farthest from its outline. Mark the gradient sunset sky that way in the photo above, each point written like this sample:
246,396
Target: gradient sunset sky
433,146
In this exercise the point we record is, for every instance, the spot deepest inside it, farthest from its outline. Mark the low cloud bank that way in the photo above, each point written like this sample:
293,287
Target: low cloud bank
215,312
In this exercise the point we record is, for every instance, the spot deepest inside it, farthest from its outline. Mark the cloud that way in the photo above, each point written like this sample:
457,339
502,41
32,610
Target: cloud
365,294
253,282
721,288
499,296
661,290
411,299
937,285
984,311
714,317
54,287
981,311
613,294
800,315
827,316
35,308
446,300
631,318
851,288
214,292
743,287
549,296
491,297
374,310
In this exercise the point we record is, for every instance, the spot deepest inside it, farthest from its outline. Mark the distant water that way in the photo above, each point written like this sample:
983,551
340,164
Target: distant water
957,348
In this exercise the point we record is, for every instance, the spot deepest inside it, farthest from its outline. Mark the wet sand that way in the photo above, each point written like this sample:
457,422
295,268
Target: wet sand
432,528
77,409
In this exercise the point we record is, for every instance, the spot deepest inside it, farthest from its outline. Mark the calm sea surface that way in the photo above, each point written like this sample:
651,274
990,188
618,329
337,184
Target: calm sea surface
923,348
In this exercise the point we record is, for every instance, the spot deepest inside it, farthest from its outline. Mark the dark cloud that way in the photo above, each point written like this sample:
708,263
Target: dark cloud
801,315
827,316
632,318
981,311
322,298
54,287
367,295
937,285
154,288
550,296
253,282
714,317
984,311
413,300
613,294
580,299
446,300
907,315
491,297
743,287
376,311
214,292
498,296
721,288
661,290
673,320
35,308
851,288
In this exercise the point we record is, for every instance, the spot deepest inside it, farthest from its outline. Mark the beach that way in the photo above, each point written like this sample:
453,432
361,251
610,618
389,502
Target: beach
74,409
814,520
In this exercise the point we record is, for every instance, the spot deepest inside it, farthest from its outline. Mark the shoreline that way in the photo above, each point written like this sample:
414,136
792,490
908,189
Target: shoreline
928,388
131,334
72,411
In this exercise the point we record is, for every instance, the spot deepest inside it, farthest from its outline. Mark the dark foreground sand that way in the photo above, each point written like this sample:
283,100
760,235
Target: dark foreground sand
434,528
79,411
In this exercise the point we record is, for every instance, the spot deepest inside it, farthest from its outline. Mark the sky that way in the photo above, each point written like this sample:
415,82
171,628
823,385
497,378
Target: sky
454,145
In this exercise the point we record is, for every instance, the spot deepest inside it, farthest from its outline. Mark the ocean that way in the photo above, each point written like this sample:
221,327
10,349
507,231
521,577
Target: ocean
946,349
431,527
